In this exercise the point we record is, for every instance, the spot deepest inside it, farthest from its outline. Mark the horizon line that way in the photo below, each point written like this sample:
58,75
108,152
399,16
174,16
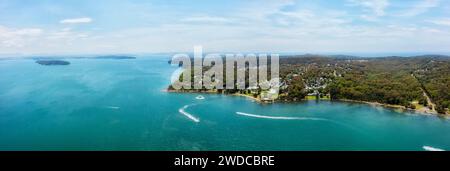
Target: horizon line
330,54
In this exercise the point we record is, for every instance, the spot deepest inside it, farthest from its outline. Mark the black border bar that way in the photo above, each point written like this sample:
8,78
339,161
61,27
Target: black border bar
166,159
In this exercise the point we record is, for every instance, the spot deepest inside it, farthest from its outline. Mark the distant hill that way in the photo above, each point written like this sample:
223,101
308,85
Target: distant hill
433,56
114,57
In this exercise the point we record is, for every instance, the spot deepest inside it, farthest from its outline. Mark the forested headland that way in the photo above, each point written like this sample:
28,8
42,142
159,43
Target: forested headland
419,82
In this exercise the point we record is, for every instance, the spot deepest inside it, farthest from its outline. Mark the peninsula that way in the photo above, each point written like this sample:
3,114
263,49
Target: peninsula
413,83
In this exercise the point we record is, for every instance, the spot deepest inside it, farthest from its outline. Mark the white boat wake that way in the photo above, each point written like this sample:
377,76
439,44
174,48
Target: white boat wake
190,116
280,117
113,107
299,118
429,148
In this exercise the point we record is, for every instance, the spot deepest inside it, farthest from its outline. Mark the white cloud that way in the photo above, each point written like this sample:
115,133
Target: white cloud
421,7
273,26
309,18
66,34
377,7
11,37
29,40
207,19
444,21
76,20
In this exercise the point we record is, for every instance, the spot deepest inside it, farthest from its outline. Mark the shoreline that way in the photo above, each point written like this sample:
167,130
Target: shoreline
213,92
249,97
390,106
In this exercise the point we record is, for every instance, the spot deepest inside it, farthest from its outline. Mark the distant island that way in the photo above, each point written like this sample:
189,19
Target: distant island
52,62
118,57
59,61
418,83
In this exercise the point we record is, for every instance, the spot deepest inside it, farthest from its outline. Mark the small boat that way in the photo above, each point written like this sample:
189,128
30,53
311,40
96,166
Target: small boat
200,97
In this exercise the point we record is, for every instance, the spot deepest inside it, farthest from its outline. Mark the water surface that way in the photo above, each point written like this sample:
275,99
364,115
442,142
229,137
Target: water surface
119,105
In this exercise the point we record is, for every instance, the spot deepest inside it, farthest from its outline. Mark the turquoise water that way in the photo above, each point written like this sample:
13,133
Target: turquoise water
120,105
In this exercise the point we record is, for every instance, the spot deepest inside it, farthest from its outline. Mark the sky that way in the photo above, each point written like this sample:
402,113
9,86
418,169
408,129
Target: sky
159,26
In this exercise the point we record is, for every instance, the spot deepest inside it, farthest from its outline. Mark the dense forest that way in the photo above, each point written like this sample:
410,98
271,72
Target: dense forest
390,80
412,82
434,75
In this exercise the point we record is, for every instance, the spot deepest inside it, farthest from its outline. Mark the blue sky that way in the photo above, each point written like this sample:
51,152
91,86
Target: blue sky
307,26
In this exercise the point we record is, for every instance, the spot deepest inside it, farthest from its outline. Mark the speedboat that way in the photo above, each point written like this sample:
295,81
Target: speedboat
200,97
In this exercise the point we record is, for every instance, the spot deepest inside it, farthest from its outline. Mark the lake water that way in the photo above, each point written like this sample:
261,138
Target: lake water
120,105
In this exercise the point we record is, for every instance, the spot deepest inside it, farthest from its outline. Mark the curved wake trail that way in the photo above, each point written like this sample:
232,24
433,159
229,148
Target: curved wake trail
429,148
280,117
190,116
298,118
